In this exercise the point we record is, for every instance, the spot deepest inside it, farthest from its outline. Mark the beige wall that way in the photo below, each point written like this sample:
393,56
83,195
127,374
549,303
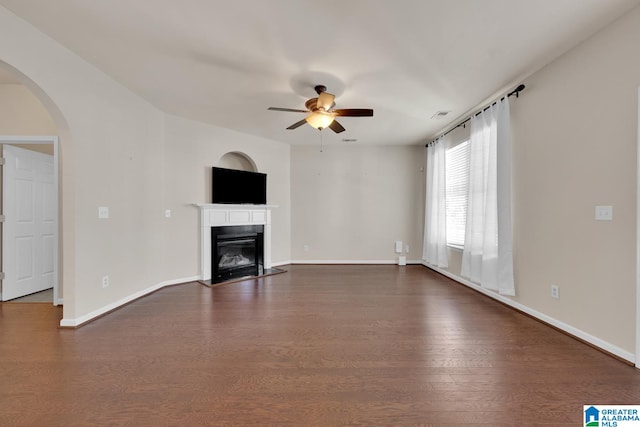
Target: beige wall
575,147
118,151
574,134
353,202
192,148
21,113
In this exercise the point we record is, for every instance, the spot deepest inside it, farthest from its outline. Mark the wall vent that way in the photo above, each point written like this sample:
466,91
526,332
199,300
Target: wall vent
440,115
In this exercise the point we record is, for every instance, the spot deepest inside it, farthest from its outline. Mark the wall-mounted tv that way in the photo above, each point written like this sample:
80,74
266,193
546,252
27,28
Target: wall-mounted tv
230,186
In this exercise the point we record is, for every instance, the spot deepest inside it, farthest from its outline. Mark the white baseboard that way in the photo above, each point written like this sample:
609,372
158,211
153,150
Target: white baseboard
280,264
74,323
617,351
352,261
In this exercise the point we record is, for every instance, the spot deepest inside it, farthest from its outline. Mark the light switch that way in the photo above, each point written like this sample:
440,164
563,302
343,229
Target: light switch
103,212
167,213
604,213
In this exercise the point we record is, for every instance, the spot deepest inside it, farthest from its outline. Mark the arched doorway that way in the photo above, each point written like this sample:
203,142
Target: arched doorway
31,121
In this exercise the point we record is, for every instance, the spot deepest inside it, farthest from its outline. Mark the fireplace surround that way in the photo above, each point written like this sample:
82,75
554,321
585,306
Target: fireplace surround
239,218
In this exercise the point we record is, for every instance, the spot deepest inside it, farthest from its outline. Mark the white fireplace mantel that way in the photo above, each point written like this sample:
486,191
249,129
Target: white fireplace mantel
219,215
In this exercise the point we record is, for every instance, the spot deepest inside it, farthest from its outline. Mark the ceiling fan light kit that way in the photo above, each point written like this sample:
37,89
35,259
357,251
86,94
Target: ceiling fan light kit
319,119
321,113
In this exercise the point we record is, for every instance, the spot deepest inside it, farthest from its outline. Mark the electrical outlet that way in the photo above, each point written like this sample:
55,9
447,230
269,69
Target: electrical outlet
305,248
103,212
555,291
604,213
167,213
105,281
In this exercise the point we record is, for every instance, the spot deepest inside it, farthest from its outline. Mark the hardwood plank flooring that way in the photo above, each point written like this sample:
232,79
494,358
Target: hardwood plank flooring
319,345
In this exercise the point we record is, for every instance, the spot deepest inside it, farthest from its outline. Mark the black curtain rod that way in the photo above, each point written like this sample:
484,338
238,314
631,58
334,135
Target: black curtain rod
515,92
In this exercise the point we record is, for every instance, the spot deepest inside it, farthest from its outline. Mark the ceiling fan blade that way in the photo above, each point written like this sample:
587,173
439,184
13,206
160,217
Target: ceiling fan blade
297,124
287,109
353,112
325,101
336,127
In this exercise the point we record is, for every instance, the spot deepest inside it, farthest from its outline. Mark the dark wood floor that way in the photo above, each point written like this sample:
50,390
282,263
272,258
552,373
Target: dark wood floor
318,345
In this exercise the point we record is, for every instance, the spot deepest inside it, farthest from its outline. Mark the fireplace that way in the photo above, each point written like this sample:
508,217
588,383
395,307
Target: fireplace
232,216
236,251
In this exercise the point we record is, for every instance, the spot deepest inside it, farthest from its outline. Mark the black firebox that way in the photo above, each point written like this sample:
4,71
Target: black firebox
236,251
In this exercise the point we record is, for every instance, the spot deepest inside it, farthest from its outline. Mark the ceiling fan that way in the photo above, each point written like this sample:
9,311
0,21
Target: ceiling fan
321,113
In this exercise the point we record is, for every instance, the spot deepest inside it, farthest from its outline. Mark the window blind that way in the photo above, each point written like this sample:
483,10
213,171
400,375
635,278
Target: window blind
457,184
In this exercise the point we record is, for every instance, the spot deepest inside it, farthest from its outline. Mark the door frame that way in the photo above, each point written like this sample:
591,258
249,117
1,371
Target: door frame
56,227
637,355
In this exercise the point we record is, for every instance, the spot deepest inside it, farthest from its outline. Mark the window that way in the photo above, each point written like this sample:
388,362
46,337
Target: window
457,183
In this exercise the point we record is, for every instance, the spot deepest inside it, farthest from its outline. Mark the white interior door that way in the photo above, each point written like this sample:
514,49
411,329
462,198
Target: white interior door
28,230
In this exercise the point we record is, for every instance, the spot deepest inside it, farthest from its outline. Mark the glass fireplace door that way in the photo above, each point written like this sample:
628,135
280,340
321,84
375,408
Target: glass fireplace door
236,252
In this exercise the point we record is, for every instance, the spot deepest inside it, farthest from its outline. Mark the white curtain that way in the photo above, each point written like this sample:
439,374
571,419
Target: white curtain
487,258
435,221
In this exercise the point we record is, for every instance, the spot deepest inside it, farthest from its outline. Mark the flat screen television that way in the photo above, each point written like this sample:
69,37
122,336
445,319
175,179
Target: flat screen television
231,186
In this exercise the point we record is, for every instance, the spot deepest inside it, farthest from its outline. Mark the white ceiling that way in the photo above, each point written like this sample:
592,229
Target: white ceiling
225,62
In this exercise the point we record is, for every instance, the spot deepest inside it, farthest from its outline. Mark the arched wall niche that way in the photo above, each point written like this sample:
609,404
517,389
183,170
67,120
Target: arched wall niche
238,161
